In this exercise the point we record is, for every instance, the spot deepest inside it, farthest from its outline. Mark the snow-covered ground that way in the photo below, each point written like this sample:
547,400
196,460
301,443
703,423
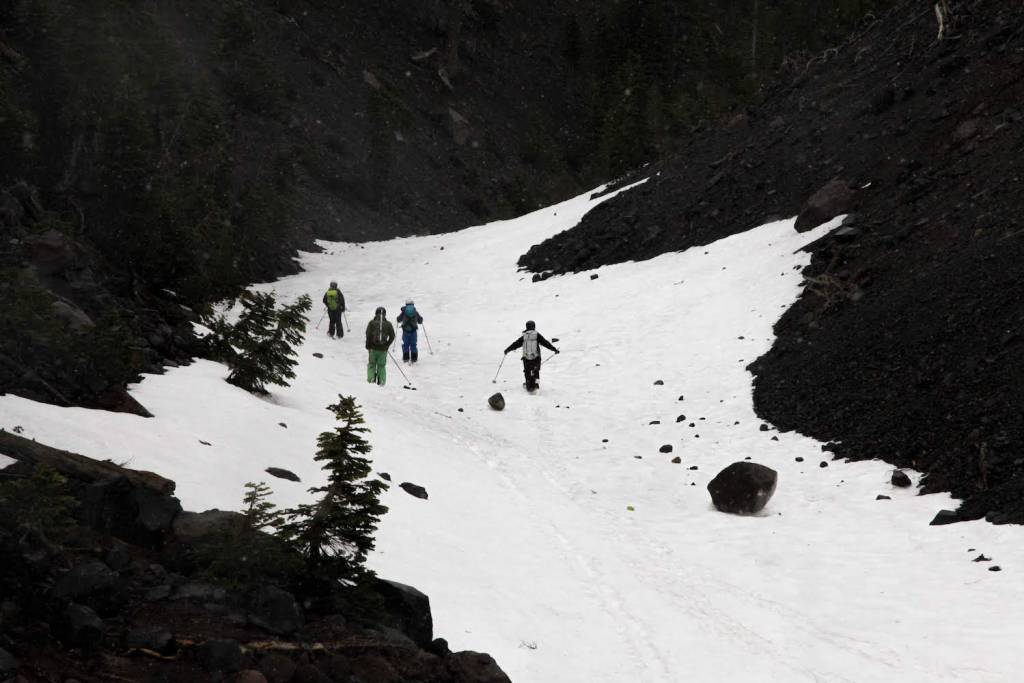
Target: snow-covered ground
572,558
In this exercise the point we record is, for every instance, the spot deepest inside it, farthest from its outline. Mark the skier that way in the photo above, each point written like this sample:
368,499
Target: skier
334,300
379,335
410,320
531,341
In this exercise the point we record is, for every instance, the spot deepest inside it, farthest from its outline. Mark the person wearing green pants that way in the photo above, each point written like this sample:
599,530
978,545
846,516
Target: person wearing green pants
379,335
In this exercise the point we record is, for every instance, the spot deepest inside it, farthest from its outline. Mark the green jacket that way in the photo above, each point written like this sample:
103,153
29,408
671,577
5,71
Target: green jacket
379,334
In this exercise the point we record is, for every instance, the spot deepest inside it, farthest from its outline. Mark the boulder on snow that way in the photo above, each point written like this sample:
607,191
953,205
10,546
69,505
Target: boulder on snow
414,490
743,487
900,479
282,473
834,198
497,401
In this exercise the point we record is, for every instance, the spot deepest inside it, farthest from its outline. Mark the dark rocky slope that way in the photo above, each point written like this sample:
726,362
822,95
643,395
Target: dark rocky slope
903,345
135,589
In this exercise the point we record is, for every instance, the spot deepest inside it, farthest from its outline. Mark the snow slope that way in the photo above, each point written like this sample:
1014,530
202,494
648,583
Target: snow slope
527,546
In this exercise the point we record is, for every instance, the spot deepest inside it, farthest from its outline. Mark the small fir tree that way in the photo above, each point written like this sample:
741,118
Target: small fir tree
259,512
260,347
335,533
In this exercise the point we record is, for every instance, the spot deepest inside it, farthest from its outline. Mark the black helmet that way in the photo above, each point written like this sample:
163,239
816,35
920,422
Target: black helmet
334,284
381,313
530,325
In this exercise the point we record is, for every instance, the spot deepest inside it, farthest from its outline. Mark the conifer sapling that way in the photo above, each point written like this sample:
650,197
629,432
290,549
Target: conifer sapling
335,533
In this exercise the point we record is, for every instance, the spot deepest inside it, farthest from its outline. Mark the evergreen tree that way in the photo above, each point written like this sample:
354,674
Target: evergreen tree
262,341
335,533
259,512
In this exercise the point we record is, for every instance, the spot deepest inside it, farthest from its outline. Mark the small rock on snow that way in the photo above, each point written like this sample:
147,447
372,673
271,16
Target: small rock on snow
799,459
900,479
654,422
676,460
318,355
414,490
995,568
282,473
823,464
680,418
667,448
594,276
881,497
384,475
982,558
764,428
659,382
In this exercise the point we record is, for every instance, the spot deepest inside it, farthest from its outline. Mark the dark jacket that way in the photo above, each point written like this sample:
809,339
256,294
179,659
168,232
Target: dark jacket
379,334
341,299
410,323
518,343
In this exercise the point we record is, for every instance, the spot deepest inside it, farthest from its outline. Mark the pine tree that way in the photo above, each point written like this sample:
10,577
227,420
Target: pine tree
335,533
259,512
264,339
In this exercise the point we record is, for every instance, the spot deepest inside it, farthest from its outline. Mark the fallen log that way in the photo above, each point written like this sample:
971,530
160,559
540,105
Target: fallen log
77,466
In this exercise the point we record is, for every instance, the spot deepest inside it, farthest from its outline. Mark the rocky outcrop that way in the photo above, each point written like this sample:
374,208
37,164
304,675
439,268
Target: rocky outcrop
125,604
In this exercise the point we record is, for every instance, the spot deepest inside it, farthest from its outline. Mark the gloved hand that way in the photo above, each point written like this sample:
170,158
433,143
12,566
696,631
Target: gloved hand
557,351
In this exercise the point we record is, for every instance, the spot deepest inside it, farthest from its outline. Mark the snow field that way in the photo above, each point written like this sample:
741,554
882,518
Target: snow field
526,546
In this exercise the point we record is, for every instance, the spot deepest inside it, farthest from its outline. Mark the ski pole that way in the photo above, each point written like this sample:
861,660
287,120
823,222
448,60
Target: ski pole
548,358
427,337
345,315
399,368
495,380
321,319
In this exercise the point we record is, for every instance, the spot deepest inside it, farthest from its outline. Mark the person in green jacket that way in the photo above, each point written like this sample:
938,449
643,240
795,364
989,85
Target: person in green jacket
334,300
379,335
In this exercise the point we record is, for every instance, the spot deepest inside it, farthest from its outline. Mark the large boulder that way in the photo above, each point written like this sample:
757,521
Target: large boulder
84,628
220,654
275,610
497,401
408,610
86,580
8,664
743,488
835,198
475,667
129,511
191,526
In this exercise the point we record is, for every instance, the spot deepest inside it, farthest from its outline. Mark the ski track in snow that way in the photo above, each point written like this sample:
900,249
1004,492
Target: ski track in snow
526,546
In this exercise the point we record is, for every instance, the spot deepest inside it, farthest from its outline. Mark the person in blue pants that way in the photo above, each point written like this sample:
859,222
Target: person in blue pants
410,320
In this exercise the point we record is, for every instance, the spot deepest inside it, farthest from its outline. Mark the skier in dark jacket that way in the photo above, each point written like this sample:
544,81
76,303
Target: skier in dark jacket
334,300
530,342
379,335
410,320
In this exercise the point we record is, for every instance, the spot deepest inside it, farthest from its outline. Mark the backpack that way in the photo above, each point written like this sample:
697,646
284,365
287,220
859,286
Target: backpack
531,347
332,296
409,323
